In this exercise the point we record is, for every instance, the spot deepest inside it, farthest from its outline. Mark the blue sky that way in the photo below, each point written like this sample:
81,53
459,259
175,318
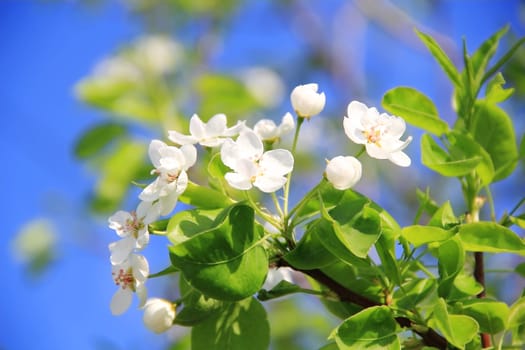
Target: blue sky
46,47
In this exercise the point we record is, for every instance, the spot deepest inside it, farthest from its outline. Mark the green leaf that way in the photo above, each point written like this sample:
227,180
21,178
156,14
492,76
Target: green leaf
240,325
485,52
491,315
457,329
225,261
310,253
416,108
281,289
372,328
426,202
502,60
444,217
437,159
411,293
520,269
188,223
465,285
204,197
441,57
491,238
518,220
196,306
451,258
167,271
462,146
420,234
118,171
492,128
97,138
495,91
517,314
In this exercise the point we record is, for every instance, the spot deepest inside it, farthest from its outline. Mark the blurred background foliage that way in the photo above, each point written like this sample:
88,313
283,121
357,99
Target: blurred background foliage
242,58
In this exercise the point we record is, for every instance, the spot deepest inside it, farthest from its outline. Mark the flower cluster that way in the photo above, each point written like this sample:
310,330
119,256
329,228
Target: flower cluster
253,161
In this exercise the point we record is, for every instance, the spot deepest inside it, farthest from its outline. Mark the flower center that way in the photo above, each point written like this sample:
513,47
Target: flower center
134,225
373,135
124,279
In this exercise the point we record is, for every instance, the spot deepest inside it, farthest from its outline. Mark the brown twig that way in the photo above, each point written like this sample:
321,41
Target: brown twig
429,336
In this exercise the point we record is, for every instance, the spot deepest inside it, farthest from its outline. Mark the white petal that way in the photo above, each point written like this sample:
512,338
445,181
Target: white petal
377,152
118,222
190,156
356,110
277,162
249,145
121,250
400,158
266,129
306,101
121,301
140,267
151,192
181,139
142,293
396,126
269,183
287,124
168,202
236,129
353,130
216,126
343,172
197,127
238,181
154,151
229,153
148,212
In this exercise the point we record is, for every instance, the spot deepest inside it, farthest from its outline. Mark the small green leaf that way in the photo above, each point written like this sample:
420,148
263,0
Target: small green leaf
485,52
492,129
518,220
451,258
496,67
437,159
372,328
281,289
416,108
491,315
310,253
457,329
495,91
225,261
204,197
411,293
442,58
240,325
188,223
491,238
196,306
420,234
517,314
426,202
97,138
444,217
167,271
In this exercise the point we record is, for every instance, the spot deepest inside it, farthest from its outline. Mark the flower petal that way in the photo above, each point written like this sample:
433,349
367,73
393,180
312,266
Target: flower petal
343,172
269,183
276,162
197,127
121,301
121,250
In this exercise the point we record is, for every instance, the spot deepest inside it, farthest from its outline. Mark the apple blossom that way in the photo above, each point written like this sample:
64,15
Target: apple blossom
129,276
170,164
252,166
267,130
158,315
380,133
210,134
306,101
133,228
343,172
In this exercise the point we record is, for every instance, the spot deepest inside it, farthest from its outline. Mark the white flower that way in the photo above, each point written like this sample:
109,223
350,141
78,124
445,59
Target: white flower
253,166
268,131
264,84
276,275
306,101
158,53
211,134
129,277
171,164
133,228
159,315
343,172
380,133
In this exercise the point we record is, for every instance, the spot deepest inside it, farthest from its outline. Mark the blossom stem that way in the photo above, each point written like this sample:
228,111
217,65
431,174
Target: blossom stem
260,212
361,151
277,204
289,177
307,198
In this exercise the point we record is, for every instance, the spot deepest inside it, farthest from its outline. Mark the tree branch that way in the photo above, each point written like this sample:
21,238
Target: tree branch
429,336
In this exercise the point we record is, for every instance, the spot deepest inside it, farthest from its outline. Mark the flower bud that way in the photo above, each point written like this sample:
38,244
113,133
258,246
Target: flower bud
306,101
158,315
343,172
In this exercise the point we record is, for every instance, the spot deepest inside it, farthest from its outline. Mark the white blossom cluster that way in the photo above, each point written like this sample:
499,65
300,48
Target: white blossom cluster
242,149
